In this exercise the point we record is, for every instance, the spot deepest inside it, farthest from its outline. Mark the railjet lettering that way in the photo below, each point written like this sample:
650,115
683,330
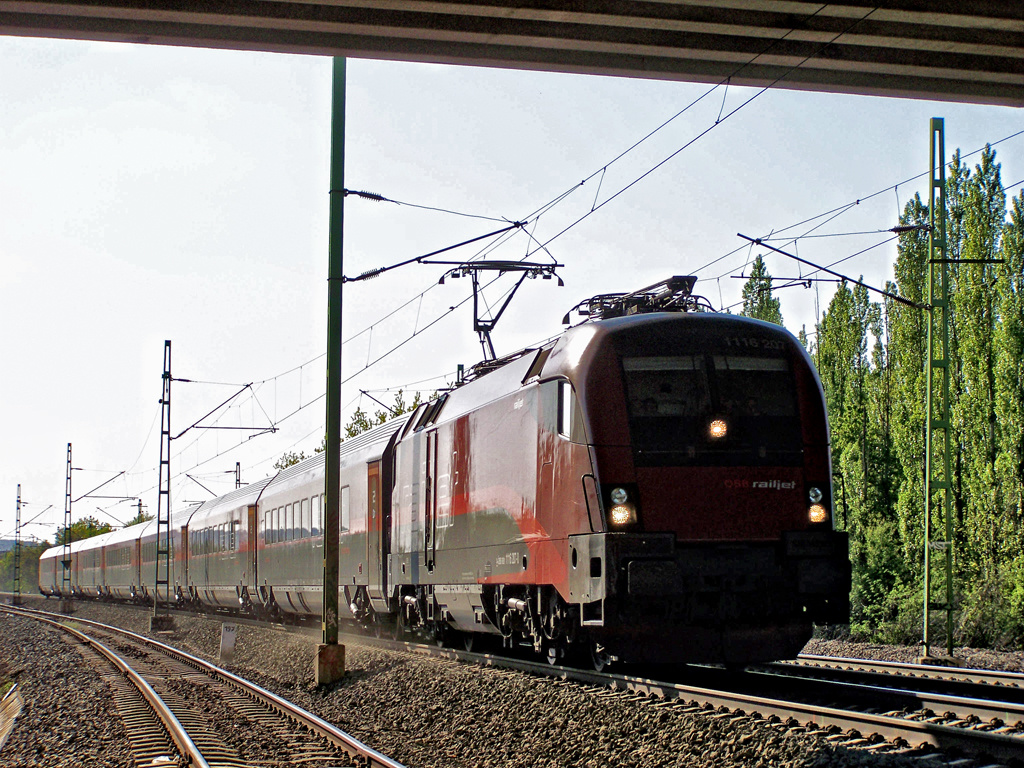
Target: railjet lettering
776,485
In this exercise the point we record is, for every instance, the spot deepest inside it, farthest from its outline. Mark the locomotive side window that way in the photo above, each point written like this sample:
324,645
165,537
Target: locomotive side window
570,417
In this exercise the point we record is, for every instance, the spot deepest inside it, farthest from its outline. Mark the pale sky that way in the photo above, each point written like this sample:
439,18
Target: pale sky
152,193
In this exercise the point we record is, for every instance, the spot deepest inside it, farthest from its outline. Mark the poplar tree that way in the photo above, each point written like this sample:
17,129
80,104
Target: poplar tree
758,301
1009,406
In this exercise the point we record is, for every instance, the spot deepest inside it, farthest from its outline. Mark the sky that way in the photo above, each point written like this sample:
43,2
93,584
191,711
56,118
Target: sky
163,193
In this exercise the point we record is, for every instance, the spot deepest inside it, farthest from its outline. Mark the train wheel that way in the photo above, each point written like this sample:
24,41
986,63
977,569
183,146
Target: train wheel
599,658
442,636
555,653
398,631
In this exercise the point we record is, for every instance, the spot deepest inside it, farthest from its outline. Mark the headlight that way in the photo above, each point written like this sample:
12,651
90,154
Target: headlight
622,514
618,496
817,513
814,494
717,429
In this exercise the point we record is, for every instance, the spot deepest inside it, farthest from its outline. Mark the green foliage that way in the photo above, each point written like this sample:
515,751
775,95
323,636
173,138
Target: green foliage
758,301
359,422
30,554
141,517
289,458
871,358
85,528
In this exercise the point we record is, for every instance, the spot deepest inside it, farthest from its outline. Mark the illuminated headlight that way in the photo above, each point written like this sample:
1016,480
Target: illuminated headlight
717,429
619,496
622,514
814,495
817,513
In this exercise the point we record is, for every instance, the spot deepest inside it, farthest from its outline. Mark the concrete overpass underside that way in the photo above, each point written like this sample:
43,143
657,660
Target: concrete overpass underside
957,50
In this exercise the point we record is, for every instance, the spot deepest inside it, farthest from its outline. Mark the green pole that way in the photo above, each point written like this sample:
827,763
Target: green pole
938,469
330,664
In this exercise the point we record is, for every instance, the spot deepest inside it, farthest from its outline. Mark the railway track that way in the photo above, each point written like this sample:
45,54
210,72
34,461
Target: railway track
847,713
179,709
1009,680
949,714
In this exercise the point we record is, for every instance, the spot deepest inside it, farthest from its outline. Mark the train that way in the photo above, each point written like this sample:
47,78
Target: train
652,485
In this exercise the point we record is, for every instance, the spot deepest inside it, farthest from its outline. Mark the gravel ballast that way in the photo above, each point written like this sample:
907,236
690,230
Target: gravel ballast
424,712
68,718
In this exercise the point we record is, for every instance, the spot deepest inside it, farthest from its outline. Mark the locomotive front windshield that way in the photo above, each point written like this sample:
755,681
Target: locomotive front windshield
712,409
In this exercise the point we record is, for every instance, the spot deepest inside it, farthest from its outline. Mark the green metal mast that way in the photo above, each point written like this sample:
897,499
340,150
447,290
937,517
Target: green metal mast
330,661
938,485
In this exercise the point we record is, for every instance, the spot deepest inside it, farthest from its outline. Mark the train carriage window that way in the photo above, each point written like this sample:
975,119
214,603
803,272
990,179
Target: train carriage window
345,522
315,521
278,523
305,518
289,522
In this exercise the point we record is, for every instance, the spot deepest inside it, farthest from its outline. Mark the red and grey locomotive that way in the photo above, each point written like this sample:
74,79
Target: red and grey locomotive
652,485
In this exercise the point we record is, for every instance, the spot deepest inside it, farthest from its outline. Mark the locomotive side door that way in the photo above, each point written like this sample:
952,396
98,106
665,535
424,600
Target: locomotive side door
374,562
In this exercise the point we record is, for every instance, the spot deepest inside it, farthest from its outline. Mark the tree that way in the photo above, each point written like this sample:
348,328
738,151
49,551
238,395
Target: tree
359,423
30,554
1009,374
289,458
141,517
758,301
907,349
85,528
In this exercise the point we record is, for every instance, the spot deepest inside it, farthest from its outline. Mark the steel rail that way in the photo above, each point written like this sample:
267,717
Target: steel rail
174,728
988,676
983,709
995,744
1000,746
370,757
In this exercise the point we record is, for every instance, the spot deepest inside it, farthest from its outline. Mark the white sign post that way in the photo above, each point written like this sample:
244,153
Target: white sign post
228,633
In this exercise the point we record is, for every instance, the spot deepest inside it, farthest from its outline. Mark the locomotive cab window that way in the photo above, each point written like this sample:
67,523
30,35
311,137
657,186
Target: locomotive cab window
713,409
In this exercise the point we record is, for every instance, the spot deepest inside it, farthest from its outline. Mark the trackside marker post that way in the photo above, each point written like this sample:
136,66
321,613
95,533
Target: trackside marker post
228,634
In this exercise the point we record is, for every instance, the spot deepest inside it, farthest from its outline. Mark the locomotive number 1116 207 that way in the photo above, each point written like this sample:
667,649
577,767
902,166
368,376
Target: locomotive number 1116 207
754,342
